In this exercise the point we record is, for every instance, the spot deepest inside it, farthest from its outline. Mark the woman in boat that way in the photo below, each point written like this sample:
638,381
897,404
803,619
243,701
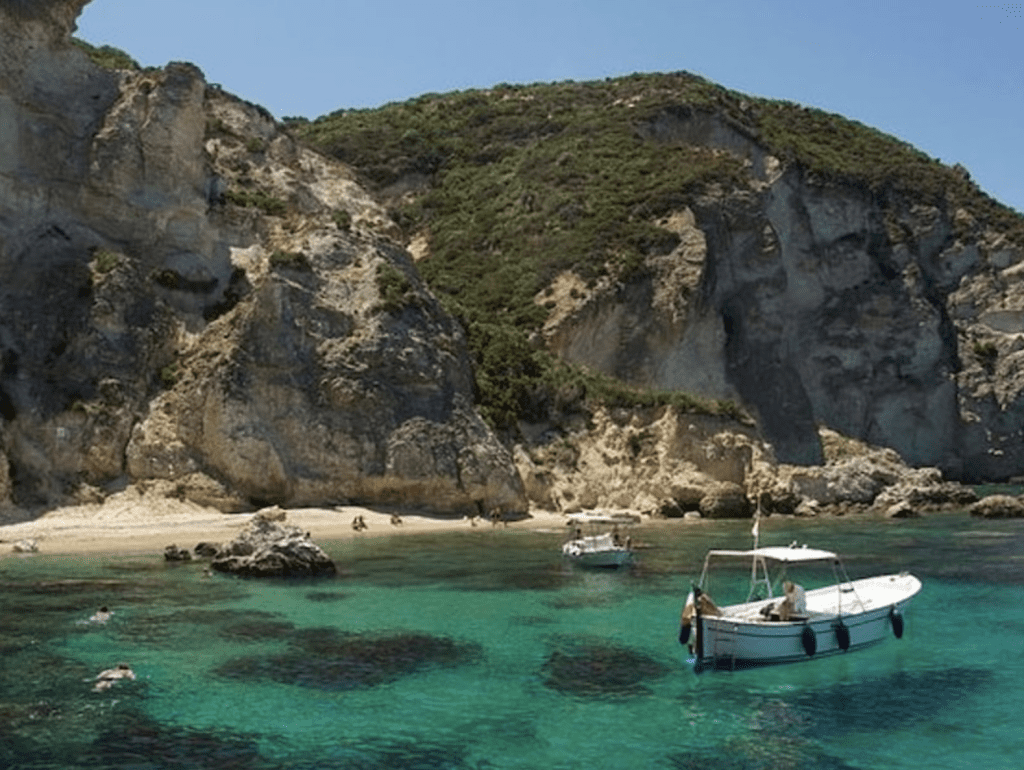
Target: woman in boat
794,603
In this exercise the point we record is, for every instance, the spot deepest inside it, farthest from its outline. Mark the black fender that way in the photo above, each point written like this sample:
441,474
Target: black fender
842,635
684,633
809,640
698,637
896,618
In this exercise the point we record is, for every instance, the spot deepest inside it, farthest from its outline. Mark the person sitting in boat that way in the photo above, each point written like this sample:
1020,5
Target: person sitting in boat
794,603
707,607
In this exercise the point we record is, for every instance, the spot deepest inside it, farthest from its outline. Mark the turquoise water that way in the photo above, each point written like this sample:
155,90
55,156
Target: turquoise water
481,649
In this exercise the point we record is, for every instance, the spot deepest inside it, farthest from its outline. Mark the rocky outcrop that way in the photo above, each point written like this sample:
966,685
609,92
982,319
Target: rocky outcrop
174,553
998,507
189,295
655,460
725,500
855,478
268,547
895,321
666,464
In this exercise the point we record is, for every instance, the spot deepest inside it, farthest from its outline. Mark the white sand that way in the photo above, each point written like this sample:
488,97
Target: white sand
130,522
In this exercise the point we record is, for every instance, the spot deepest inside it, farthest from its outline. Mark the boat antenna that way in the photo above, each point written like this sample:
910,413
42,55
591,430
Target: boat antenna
757,521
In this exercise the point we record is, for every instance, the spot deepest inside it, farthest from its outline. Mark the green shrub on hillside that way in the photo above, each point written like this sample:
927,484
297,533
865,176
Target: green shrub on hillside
257,199
395,288
104,261
107,56
342,219
290,260
523,182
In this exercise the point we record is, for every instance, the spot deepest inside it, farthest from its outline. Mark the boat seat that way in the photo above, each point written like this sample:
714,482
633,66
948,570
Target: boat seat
792,618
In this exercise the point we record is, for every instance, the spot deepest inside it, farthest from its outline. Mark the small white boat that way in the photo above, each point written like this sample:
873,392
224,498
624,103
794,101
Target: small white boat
598,539
797,625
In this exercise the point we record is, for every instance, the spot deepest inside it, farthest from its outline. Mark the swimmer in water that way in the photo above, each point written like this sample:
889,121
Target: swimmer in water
102,615
106,679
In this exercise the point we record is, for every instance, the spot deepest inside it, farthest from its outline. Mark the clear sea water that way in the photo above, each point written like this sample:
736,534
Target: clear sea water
481,649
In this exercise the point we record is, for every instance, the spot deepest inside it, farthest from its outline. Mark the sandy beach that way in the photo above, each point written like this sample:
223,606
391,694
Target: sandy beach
131,522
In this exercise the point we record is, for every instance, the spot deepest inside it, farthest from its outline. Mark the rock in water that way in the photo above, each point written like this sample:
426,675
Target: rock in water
269,548
998,507
173,553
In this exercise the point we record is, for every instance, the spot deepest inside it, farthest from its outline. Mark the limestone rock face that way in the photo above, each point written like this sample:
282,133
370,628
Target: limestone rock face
725,501
855,478
188,294
267,547
891,321
656,461
998,507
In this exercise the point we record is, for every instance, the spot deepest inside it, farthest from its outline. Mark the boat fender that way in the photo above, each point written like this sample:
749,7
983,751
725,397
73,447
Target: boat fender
684,633
810,641
842,636
896,617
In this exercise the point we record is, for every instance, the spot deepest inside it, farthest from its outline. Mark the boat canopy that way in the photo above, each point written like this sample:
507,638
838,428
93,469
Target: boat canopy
598,517
781,554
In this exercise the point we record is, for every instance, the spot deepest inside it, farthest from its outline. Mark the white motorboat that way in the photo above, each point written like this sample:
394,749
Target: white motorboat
599,540
797,625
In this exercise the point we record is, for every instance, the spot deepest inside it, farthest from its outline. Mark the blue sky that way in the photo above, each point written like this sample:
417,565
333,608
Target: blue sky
948,77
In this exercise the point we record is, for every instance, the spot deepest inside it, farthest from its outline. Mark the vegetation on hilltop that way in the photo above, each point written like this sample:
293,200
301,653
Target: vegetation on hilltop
107,56
516,183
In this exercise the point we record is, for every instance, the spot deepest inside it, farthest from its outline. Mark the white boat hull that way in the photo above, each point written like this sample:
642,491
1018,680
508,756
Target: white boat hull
869,610
596,557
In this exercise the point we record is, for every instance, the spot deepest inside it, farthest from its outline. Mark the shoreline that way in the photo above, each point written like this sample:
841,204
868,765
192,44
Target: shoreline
134,523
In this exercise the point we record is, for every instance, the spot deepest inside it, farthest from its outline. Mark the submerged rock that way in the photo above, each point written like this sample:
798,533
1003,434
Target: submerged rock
328,659
600,669
269,548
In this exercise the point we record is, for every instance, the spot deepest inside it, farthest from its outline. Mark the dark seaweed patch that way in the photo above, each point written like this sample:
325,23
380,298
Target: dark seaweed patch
581,601
139,742
34,675
778,736
257,631
134,740
877,704
532,620
326,596
600,669
768,755
387,755
160,628
327,659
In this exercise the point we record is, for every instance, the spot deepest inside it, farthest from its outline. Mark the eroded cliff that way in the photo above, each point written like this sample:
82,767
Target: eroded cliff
189,295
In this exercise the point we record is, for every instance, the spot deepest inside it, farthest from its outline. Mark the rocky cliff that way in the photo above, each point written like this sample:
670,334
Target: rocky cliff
677,236
895,322
194,301
186,294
